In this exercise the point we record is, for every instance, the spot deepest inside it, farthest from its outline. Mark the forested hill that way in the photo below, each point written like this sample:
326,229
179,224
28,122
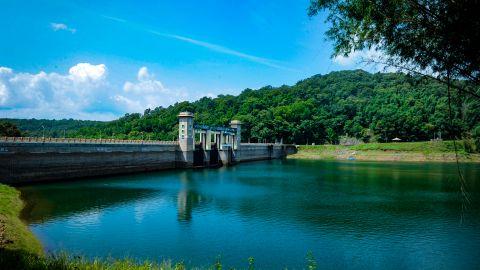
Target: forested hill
49,128
320,109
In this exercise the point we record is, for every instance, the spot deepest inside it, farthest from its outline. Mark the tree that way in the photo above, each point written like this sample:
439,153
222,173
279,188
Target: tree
476,138
440,36
8,129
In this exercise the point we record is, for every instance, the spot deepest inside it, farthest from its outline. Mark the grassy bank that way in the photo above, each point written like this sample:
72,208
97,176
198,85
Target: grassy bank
14,234
405,151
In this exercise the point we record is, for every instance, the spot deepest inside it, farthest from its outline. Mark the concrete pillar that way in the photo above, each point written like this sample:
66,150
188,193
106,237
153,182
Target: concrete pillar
217,140
208,145
238,136
222,140
186,137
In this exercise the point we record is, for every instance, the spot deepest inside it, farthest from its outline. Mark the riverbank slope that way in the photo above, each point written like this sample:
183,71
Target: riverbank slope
406,151
14,234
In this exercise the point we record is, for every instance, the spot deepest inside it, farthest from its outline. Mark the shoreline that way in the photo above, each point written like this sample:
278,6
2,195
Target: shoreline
388,152
14,233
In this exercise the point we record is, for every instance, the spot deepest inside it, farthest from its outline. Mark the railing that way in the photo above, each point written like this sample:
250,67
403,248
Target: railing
260,143
80,140
264,144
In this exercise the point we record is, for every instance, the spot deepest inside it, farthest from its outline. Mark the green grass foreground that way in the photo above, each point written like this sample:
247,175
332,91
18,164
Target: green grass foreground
14,234
441,151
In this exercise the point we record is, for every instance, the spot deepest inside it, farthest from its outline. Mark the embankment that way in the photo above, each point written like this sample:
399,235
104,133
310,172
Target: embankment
407,151
14,234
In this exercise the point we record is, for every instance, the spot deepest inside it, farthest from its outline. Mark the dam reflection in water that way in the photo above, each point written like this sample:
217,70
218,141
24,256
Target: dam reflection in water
348,214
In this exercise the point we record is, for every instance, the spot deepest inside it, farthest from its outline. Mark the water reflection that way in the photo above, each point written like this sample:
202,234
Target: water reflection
186,201
371,215
45,203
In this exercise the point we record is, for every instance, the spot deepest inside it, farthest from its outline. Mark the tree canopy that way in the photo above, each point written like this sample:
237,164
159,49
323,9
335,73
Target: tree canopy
9,130
430,36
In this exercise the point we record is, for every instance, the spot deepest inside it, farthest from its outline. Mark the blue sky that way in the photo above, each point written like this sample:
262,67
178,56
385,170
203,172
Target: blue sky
101,59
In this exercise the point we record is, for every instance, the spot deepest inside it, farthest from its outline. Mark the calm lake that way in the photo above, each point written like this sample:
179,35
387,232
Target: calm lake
349,215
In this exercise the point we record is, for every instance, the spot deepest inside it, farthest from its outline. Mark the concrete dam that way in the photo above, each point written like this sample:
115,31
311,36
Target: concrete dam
27,160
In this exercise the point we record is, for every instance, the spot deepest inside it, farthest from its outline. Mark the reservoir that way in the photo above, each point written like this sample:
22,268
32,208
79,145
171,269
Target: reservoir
346,214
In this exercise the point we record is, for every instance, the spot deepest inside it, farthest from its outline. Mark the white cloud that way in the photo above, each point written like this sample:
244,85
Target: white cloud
373,60
147,92
61,26
3,94
5,70
143,74
87,72
358,57
52,95
82,93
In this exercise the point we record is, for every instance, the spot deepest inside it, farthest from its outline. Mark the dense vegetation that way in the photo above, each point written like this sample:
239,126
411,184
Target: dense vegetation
320,109
9,129
43,127
436,38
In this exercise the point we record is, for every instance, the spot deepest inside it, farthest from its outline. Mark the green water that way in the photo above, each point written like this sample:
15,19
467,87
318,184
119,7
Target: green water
350,215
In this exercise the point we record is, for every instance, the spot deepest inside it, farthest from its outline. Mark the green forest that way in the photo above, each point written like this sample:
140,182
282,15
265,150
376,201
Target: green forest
321,109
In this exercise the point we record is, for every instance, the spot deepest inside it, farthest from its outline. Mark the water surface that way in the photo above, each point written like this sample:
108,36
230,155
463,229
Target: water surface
350,215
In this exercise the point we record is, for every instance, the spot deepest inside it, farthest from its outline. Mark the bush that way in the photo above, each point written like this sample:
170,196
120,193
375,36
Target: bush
8,129
476,138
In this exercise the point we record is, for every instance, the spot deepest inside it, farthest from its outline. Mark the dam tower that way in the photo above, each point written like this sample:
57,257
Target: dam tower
236,124
186,140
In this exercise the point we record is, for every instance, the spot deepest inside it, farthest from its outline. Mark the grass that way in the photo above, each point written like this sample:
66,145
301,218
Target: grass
404,151
14,234
422,147
24,260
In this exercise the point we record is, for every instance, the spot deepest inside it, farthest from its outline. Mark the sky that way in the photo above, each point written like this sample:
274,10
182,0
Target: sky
98,60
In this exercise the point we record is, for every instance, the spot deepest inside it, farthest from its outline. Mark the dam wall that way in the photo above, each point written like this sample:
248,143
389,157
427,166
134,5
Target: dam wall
26,160
262,151
32,162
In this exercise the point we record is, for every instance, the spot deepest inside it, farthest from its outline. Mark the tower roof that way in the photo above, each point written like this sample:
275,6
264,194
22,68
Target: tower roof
185,114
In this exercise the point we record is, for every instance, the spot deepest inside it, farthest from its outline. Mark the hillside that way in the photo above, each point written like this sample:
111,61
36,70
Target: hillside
51,128
320,109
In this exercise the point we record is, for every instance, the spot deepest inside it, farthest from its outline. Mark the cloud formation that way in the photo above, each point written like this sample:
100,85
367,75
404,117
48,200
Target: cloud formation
359,57
83,93
147,92
87,72
61,26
